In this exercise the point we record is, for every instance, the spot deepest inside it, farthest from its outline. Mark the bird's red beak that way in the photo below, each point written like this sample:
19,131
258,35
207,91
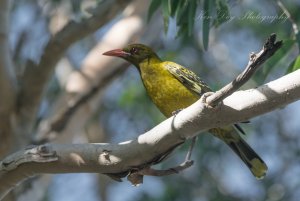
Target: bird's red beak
117,53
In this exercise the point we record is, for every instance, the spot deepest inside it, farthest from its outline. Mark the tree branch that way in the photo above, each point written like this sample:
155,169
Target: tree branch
61,120
96,72
150,147
7,80
36,76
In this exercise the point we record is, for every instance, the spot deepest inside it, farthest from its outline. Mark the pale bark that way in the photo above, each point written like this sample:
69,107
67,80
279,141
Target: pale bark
148,147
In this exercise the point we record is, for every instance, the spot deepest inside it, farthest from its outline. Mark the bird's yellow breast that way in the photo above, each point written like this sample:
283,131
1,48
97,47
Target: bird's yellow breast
167,93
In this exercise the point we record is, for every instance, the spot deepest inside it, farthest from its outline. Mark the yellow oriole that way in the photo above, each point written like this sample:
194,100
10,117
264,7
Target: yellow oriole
173,87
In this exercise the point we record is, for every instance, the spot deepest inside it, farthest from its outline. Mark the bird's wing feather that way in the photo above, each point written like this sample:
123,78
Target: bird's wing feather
189,79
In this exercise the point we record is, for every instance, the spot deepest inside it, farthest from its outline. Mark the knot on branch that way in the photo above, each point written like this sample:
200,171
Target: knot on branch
39,154
271,44
269,48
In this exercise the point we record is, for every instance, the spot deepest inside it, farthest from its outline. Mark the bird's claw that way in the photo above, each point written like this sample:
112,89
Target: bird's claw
205,95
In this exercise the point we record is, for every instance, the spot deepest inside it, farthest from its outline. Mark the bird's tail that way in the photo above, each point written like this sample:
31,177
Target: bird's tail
232,138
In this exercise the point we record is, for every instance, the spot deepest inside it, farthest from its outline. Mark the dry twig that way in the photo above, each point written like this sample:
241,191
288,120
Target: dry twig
256,60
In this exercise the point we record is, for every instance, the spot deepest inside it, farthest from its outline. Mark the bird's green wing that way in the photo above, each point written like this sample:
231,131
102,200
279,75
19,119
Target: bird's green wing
191,81
188,78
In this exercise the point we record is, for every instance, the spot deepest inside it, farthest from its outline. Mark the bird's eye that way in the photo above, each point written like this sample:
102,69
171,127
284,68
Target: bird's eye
134,51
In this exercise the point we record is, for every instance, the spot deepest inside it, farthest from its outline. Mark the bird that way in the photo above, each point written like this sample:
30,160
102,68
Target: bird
172,87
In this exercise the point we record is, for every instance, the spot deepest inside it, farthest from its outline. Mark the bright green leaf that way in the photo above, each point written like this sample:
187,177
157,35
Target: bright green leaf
295,65
298,40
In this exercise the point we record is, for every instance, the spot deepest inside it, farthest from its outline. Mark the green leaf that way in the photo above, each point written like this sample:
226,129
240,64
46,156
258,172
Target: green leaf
173,6
191,17
298,40
295,65
206,23
169,6
223,13
152,8
165,11
181,13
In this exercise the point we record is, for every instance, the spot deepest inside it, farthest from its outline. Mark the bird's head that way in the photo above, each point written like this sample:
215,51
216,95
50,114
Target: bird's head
134,53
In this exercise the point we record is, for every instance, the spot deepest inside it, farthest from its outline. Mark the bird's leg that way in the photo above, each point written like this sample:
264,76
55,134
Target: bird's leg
189,153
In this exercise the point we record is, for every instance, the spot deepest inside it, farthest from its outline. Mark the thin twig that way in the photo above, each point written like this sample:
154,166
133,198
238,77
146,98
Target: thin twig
173,170
293,22
256,60
288,14
191,147
136,174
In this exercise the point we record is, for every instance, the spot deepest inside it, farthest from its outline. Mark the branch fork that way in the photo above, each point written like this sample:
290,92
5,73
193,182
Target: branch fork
255,61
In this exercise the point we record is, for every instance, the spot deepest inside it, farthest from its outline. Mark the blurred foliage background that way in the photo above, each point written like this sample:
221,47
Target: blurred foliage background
214,39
